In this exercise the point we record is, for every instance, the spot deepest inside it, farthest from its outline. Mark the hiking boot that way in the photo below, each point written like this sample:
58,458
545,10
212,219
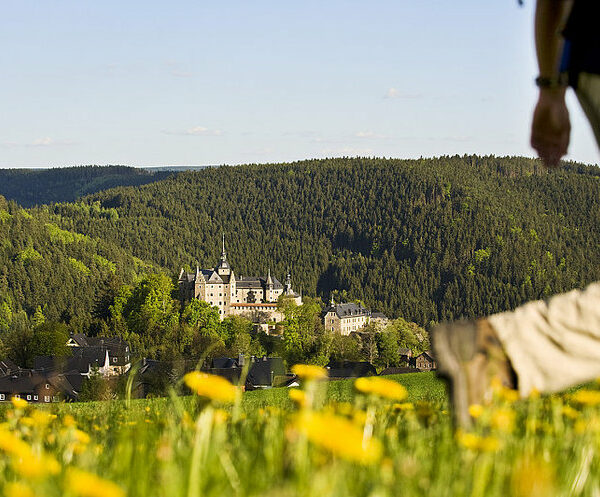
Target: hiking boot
470,357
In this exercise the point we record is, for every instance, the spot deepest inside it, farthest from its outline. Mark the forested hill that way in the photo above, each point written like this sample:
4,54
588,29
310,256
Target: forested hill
30,187
426,239
60,274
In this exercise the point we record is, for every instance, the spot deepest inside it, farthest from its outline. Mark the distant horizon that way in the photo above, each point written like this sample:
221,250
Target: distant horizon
204,166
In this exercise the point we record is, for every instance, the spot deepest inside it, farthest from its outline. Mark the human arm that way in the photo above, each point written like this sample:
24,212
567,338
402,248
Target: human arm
551,127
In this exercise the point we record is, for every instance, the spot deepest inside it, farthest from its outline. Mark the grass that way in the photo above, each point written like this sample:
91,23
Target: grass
332,441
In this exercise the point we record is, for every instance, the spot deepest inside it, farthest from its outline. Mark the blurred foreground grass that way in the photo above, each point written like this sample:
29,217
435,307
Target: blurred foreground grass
341,438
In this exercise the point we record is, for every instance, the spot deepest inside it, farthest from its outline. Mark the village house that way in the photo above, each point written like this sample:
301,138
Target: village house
425,362
254,297
346,318
34,386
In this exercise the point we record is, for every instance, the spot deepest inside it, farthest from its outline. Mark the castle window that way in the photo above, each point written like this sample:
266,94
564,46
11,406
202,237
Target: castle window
46,398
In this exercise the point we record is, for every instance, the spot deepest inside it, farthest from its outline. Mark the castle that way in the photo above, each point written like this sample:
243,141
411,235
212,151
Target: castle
251,296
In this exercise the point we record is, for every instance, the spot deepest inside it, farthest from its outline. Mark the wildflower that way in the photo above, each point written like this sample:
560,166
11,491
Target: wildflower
404,406
503,420
383,388
210,386
220,416
475,410
13,445
19,403
477,443
27,421
35,466
339,436
18,489
42,418
82,437
533,477
69,420
309,372
587,397
84,484
507,394
569,412
299,397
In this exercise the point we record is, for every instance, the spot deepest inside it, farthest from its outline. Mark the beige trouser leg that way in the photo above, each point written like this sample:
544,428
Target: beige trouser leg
553,344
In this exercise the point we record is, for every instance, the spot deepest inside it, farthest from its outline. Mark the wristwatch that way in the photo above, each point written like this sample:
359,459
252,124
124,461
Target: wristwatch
555,82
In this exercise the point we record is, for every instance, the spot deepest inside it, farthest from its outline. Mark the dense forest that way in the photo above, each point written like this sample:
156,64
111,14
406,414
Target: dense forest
426,239
47,273
29,187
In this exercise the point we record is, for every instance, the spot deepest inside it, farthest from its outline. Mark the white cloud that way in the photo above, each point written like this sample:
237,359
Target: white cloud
196,131
369,134
395,93
43,142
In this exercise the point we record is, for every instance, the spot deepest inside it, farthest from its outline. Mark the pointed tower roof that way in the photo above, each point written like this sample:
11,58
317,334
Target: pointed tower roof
269,279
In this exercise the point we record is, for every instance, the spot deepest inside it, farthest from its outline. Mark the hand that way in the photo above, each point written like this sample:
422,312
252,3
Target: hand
551,126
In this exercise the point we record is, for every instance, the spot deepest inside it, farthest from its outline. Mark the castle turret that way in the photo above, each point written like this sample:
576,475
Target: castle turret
223,268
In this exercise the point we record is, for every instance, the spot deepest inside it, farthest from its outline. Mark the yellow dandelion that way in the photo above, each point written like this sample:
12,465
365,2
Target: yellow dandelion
339,436
299,397
211,386
503,420
586,397
477,443
569,412
85,484
220,416
19,403
42,418
34,466
381,387
27,421
13,445
404,406
309,371
82,437
533,477
476,410
69,421
18,489
359,417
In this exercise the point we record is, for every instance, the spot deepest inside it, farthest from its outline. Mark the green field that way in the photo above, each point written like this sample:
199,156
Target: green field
331,441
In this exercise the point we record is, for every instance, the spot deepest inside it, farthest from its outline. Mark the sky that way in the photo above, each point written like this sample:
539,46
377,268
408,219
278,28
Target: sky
202,82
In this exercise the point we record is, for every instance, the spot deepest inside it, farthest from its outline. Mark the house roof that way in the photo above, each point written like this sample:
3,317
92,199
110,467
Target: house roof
263,370
350,369
379,315
7,366
349,309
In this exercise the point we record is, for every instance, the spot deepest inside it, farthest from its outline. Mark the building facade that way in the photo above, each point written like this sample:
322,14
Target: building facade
236,295
346,318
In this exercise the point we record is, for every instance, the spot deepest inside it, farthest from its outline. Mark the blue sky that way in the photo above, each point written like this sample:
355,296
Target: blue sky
230,82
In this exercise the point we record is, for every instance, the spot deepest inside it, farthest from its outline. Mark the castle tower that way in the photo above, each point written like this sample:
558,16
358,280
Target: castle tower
223,268
269,288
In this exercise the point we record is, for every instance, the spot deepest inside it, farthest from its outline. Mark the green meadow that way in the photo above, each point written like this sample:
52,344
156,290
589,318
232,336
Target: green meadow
337,438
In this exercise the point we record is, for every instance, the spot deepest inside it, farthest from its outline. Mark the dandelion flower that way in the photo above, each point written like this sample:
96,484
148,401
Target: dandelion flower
380,386
19,403
309,371
299,397
404,406
475,410
35,466
587,397
210,386
339,436
84,484
570,413
503,420
477,443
